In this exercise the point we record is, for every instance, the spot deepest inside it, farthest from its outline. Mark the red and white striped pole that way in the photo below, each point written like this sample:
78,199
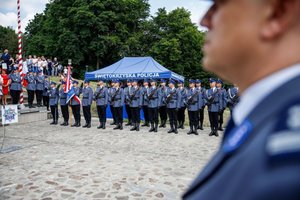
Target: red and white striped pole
20,59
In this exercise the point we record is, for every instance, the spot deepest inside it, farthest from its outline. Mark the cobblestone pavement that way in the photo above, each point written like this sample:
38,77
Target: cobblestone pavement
54,162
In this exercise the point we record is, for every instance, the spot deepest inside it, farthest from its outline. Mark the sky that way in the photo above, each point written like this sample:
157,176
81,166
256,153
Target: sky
8,10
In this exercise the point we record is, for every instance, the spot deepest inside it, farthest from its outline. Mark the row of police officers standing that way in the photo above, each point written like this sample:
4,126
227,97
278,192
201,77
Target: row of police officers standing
156,101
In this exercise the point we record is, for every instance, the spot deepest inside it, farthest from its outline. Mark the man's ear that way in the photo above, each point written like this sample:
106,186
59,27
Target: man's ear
281,15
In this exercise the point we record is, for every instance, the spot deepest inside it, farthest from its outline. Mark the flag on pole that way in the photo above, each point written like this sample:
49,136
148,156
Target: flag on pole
69,89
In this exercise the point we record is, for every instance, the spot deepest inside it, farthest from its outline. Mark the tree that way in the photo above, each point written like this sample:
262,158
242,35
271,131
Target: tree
8,40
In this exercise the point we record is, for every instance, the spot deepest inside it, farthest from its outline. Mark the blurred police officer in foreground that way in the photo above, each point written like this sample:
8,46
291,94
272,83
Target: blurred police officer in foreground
127,106
87,100
213,98
101,98
223,103
255,44
136,101
63,104
30,78
117,100
154,100
15,86
75,105
173,101
201,109
145,102
181,111
162,105
53,102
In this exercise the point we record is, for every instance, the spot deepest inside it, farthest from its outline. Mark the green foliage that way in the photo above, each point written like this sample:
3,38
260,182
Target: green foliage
8,40
99,32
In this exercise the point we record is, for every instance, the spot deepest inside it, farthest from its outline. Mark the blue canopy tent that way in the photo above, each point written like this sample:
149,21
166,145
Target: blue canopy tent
137,68
133,68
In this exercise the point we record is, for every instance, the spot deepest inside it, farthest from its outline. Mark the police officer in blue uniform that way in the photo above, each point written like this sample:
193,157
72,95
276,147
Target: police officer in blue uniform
213,98
259,156
127,106
30,78
201,109
136,101
75,105
193,102
87,100
101,98
53,102
118,100
162,105
63,104
145,102
173,101
111,92
181,111
154,100
232,97
15,86
40,81
223,102
45,93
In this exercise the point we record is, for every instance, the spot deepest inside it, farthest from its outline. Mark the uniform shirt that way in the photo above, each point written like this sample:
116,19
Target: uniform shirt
119,97
126,93
154,99
63,97
162,91
183,93
87,96
31,82
144,96
136,97
213,100
40,80
223,100
15,82
46,88
203,91
53,97
257,92
196,100
175,101
101,96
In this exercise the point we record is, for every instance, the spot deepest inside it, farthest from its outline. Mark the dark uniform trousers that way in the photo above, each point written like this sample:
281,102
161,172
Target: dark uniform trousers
87,114
221,120
153,115
213,119
39,96
163,113
30,96
128,111
118,114
146,113
113,113
15,95
76,113
181,114
54,112
172,116
46,101
135,112
194,118
200,117
65,112
101,113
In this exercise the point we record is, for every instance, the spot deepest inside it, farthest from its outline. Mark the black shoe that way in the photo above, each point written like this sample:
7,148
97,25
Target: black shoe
66,124
152,128
52,123
137,127
78,125
195,130
211,133
63,124
100,126
145,124
121,126
164,124
128,124
103,127
170,131
198,126
134,127
155,128
74,125
175,131
89,125
85,125
201,128
117,127
216,134
113,123
55,123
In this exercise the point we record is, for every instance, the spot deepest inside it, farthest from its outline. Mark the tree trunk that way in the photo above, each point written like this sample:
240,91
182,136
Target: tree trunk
98,62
